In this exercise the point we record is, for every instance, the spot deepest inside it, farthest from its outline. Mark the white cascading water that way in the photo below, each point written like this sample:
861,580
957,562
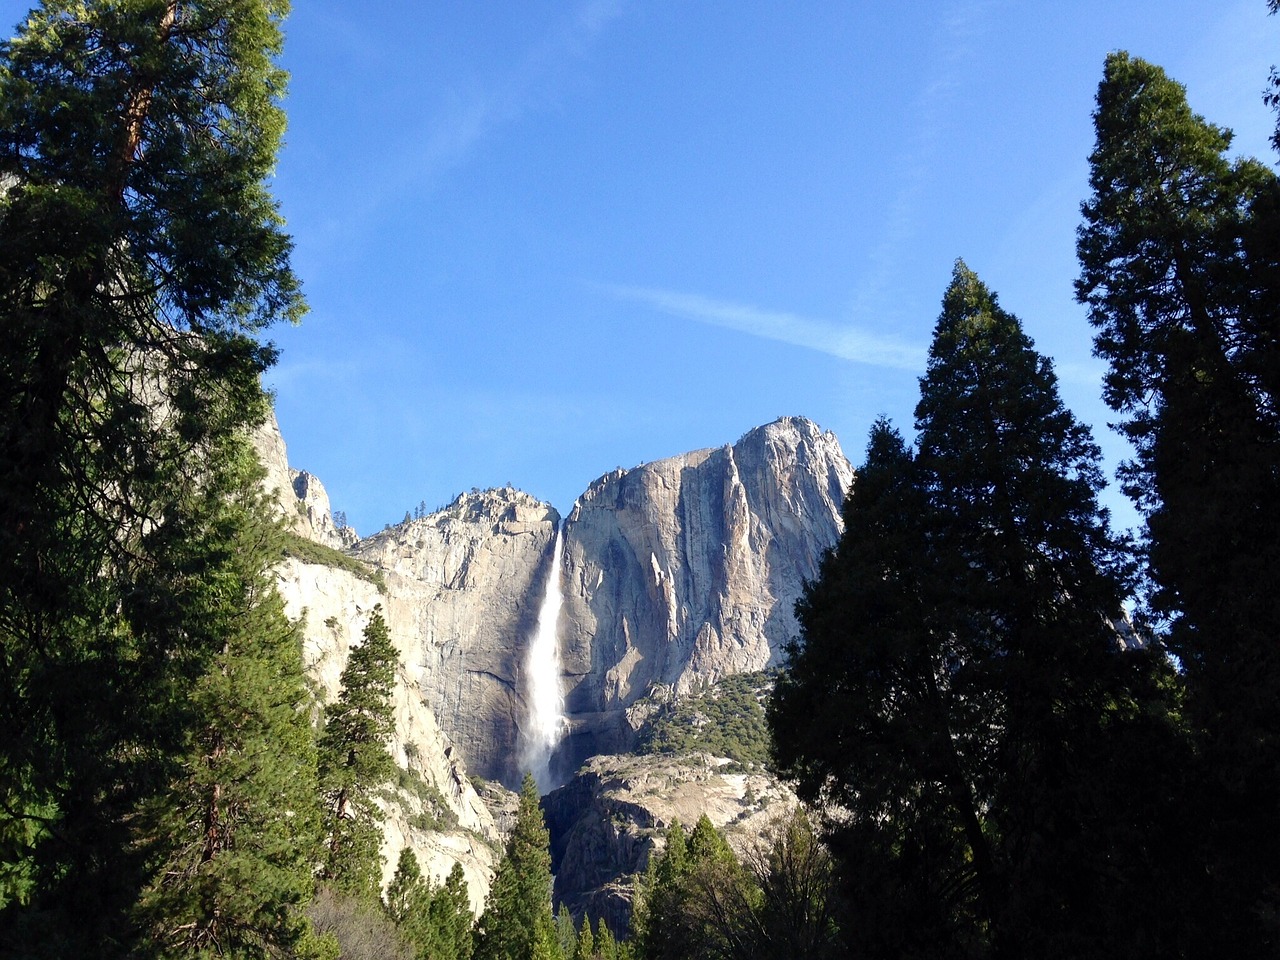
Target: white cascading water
546,702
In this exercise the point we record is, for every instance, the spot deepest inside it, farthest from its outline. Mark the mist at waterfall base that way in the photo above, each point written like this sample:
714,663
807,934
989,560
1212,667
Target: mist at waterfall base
546,720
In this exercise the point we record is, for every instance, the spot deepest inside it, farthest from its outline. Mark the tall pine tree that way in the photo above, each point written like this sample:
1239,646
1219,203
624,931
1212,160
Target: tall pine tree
1044,697
1179,251
139,254
517,923
958,686
235,835
355,761
407,894
698,903
451,920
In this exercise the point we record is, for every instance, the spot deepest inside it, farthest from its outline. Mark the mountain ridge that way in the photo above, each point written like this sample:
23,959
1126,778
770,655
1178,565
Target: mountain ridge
676,572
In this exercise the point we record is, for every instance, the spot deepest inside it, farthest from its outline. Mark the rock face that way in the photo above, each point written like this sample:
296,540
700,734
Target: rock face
434,810
688,569
465,583
334,606
313,506
299,497
610,819
676,572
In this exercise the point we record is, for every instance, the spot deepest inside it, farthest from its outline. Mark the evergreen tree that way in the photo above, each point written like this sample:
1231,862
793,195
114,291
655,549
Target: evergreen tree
675,855
139,253
606,947
585,948
236,833
655,896
407,893
1039,682
861,719
958,687
566,934
451,921
517,923
436,920
1179,256
355,761
699,902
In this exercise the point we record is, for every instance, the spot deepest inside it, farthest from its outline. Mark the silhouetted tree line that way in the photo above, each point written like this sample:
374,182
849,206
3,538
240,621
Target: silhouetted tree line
1009,769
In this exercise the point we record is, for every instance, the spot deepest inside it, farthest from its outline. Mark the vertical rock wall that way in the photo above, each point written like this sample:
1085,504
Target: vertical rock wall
469,579
676,572
688,569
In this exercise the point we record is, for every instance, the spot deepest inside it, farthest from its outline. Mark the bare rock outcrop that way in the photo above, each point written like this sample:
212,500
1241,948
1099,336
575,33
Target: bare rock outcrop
610,819
687,569
675,573
465,583
298,496
313,507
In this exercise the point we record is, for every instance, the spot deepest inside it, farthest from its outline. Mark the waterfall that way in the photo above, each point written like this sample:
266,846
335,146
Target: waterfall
546,702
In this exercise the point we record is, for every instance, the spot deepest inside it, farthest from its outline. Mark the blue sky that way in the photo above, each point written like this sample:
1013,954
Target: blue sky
542,240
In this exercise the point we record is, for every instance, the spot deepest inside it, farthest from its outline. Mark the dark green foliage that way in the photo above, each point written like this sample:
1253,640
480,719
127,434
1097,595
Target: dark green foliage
355,762
865,645
566,935
309,551
726,720
589,944
697,902
451,923
1180,269
605,947
437,921
517,923
139,253
234,837
958,687
402,897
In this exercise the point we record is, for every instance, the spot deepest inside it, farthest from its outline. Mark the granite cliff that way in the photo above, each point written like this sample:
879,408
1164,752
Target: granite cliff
433,807
688,569
300,498
465,583
675,573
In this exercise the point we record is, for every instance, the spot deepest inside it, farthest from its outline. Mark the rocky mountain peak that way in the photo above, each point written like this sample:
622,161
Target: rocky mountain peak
674,573
495,506
688,568
297,496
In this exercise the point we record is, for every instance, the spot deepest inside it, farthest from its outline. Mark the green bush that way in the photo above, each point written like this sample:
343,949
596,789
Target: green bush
436,813
725,719
308,551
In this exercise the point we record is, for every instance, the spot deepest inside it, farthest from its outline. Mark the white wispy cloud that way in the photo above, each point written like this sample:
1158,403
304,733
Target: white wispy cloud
932,111
465,115
535,80
840,340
